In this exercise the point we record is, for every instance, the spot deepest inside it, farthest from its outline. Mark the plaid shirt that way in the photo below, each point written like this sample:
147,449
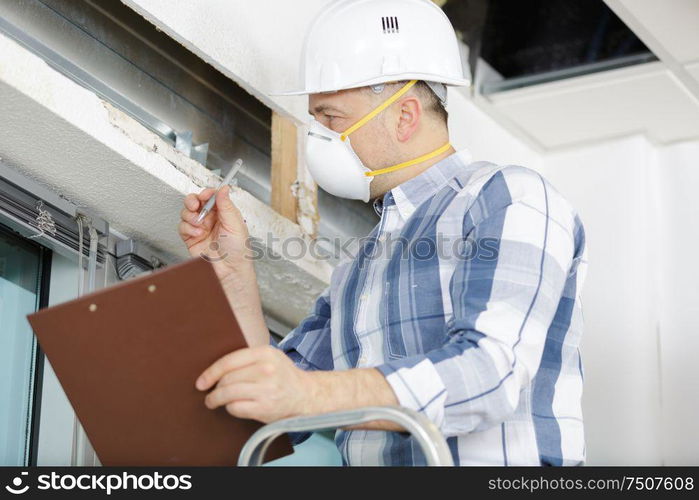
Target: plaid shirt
466,297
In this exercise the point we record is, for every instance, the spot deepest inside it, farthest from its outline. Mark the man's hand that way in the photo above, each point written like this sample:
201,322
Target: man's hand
259,383
263,384
221,237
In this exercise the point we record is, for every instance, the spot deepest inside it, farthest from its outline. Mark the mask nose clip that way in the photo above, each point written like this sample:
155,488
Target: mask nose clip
320,136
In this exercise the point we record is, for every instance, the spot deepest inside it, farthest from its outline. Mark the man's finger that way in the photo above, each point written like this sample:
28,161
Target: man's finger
205,194
187,230
191,202
209,220
191,217
250,373
244,409
188,215
225,394
227,363
228,213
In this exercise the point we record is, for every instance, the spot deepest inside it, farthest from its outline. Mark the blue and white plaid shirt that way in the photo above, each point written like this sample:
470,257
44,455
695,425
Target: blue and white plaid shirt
466,297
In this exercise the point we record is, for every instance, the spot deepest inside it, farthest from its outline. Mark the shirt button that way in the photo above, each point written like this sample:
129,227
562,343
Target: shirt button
361,360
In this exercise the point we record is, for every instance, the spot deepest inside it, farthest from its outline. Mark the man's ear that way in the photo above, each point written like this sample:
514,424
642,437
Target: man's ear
409,117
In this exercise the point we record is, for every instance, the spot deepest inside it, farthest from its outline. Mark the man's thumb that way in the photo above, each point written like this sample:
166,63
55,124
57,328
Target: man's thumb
227,211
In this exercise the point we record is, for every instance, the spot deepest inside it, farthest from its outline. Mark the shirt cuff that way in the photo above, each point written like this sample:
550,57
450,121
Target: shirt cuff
417,386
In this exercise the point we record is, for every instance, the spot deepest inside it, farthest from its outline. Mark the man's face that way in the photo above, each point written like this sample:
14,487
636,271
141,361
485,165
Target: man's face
372,142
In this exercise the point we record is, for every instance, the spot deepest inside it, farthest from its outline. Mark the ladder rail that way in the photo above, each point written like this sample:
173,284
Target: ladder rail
428,436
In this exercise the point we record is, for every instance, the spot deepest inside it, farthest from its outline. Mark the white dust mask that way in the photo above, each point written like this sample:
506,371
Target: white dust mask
335,166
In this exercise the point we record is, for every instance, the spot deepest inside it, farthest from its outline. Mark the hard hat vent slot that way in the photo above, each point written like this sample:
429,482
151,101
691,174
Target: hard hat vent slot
389,24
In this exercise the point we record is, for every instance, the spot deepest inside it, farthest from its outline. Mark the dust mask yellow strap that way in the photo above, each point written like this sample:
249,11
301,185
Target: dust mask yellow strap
409,163
378,110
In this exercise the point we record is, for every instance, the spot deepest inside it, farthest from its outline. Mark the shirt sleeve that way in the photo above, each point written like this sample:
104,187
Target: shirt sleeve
308,345
503,300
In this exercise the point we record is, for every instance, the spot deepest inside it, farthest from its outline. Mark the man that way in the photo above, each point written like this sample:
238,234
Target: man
471,317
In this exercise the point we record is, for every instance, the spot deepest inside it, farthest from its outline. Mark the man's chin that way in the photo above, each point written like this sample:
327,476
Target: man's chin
376,191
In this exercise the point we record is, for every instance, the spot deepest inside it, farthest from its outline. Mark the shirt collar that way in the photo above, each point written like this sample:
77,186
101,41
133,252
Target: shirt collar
408,195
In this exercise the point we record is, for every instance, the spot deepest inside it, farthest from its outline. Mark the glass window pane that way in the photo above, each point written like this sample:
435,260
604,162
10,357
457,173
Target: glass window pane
19,290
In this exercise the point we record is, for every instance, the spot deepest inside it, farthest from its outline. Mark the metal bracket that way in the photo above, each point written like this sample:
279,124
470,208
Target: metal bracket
134,259
100,225
183,143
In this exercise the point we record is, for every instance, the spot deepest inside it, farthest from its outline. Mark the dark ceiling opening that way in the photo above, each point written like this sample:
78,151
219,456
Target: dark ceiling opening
525,38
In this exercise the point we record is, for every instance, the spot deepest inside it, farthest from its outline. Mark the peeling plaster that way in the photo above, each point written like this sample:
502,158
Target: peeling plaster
152,142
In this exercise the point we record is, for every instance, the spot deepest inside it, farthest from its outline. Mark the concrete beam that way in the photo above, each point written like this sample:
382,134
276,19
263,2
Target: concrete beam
256,44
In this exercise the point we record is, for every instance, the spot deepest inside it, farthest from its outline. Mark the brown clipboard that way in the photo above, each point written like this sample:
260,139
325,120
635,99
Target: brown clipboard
127,357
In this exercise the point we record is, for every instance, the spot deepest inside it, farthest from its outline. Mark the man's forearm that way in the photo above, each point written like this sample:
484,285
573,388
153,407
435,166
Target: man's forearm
243,295
350,389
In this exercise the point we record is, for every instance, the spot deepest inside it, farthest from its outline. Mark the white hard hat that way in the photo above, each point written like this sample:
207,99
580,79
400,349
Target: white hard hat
357,43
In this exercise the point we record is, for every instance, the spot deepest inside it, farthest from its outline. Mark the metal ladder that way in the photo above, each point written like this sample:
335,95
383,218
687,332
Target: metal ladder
433,444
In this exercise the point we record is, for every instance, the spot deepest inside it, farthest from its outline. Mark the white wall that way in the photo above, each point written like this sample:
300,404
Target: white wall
677,176
470,127
641,299
608,184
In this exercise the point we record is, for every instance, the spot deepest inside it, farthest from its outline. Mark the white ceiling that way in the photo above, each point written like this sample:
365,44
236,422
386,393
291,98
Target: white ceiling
693,70
645,98
660,99
673,23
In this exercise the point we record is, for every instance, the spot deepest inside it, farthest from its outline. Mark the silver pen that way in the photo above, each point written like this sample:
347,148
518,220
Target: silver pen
210,203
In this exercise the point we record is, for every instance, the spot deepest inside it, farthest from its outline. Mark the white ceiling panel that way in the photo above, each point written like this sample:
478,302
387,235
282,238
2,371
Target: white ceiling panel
693,69
642,99
673,23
